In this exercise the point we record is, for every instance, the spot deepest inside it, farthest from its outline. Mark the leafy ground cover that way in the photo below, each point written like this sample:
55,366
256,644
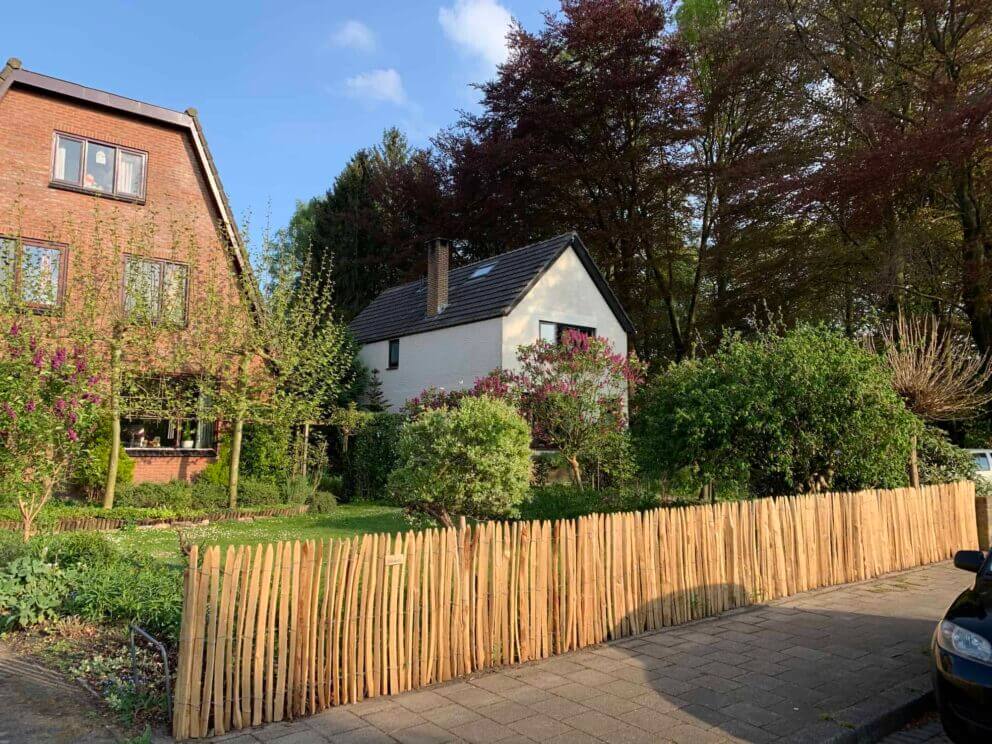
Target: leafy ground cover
344,520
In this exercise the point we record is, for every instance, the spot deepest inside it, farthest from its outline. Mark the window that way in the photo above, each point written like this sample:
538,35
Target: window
552,332
31,273
981,461
155,291
394,354
482,270
171,412
99,167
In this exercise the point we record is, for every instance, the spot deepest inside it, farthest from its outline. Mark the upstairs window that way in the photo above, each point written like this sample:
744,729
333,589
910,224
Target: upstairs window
156,291
31,274
99,167
394,354
552,332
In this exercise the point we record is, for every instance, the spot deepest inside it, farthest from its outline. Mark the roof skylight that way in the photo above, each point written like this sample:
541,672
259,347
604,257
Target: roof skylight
482,270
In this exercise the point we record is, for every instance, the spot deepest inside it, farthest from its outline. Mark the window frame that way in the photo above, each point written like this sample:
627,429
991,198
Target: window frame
19,245
560,328
161,263
390,364
79,186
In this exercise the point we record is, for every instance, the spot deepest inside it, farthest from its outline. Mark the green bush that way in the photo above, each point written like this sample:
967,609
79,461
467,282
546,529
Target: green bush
265,453
208,496
371,458
779,414
129,590
32,590
322,502
74,548
12,546
218,472
253,492
89,471
175,495
940,461
473,460
561,501
265,456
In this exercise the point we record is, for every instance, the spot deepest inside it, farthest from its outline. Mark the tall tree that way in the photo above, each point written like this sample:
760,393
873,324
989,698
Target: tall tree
585,127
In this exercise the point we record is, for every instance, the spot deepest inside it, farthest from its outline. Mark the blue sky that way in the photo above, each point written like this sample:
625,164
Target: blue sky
287,91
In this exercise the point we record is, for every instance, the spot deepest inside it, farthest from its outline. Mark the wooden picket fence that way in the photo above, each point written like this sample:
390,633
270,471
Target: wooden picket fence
287,629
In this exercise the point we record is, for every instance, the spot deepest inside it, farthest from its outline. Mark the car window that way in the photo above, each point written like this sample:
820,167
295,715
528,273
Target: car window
981,461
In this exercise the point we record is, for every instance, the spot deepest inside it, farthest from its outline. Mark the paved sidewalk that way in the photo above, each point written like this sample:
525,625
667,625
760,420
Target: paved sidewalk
804,669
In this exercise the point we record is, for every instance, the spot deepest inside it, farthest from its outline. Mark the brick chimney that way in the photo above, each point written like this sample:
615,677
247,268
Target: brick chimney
438,255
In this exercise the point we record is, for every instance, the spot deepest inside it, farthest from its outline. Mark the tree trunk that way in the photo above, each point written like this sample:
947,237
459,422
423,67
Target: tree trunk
914,464
113,461
306,448
236,434
573,463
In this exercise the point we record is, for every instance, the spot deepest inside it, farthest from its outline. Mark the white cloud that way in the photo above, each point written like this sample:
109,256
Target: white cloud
479,27
378,85
354,35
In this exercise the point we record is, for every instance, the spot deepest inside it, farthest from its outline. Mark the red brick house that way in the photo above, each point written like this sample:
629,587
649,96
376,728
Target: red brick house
69,157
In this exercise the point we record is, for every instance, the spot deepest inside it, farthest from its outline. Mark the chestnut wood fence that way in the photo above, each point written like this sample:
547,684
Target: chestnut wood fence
282,630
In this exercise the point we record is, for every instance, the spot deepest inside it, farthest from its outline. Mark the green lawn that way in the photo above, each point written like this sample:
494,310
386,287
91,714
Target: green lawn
344,521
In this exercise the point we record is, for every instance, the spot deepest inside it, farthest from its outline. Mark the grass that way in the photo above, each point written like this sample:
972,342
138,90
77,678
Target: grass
345,520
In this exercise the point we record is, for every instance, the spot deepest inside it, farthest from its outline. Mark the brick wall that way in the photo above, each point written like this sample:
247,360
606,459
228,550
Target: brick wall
178,218
159,469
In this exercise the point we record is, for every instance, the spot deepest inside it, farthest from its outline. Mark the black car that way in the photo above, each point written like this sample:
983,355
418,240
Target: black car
962,656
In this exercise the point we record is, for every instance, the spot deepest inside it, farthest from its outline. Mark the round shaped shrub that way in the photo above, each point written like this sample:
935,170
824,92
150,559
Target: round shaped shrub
781,413
473,461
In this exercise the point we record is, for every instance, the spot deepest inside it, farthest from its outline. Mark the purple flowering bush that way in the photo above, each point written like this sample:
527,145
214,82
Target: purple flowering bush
572,393
50,400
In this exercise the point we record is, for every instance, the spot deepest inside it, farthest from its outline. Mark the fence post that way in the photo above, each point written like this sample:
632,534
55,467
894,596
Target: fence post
983,512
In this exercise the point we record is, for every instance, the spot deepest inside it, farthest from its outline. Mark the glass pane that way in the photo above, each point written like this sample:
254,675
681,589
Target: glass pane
99,167
142,285
68,158
131,174
174,294
40,275
981,461
549,332
394,353
7,249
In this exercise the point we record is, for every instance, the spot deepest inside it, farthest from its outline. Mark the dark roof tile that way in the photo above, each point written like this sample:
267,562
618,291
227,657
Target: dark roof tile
401,311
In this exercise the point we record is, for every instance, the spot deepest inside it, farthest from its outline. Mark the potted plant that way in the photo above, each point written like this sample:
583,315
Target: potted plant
189,434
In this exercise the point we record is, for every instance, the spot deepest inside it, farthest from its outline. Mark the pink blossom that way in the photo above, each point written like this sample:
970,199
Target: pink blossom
73,436
30,406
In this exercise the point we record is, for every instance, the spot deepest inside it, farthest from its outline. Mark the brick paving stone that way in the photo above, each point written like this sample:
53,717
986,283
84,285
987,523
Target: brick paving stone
367,735
394,720
540,727
425,733
450,716
558,708
482,731
506,711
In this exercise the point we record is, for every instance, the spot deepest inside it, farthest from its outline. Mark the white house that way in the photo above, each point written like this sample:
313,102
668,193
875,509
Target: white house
455,326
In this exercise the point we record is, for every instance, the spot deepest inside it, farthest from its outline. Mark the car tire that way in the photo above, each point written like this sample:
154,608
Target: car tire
955,729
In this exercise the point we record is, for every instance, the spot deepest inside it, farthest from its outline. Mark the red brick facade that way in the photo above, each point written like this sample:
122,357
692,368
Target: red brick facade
160,469
180,189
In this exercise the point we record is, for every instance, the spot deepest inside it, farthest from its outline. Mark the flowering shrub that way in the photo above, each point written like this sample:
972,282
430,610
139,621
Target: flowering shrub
573,393
50,401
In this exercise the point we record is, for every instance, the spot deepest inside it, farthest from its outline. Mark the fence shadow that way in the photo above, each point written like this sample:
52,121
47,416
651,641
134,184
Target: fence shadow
804,670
